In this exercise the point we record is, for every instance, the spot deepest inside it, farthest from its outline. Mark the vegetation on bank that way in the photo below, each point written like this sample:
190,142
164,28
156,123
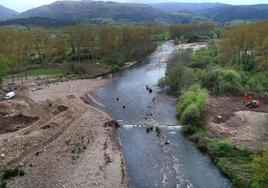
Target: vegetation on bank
76,49
234,64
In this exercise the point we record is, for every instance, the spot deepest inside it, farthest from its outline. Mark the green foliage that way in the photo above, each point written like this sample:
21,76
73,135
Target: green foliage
223,81
258,82
190,115
244,50
178,76
192,104
236,164
221,148
191,32
9,173
260,170
201,59
4,65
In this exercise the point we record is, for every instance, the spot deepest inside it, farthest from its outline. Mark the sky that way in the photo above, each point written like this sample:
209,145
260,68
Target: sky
22,5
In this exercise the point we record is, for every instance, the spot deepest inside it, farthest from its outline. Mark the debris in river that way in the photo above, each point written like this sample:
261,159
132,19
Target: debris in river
167,142
149,129
150,90
124,107
117,99
113,124
158,131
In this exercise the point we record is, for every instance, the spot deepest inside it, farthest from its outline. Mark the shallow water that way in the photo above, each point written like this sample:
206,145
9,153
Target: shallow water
150,162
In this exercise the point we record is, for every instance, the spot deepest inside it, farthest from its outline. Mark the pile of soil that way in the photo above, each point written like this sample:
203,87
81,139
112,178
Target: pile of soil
226,106
15,122
228,119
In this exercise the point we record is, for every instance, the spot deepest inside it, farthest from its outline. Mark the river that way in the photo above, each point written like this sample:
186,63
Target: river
168,160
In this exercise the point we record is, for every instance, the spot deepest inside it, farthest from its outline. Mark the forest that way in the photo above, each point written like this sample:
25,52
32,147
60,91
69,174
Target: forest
76,47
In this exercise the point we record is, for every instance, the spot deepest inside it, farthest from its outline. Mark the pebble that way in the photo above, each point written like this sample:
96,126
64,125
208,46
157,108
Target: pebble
2,155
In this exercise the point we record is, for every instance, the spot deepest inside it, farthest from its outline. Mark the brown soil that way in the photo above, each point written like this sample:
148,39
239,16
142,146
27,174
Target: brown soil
226,106
58,140
244,126
15,122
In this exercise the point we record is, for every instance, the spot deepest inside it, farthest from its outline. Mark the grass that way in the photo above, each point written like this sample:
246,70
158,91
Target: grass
77,148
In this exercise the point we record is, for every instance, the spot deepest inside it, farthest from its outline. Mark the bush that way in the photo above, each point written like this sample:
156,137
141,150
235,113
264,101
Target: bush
190,115
9,173
224,82
258,82
260,169
221,149
201,59
192,104
178,75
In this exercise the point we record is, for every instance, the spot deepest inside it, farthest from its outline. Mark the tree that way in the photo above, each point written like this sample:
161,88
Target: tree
4,68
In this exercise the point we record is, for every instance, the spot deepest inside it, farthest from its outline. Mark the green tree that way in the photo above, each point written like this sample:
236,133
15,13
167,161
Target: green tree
4,68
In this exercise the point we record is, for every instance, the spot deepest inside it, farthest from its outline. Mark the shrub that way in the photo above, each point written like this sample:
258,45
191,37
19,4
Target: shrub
224,82
192,104
221,148
190,115
258,82
9,173
260,169
201,59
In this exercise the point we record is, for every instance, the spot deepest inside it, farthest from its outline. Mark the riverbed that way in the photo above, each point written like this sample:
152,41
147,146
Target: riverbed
164,160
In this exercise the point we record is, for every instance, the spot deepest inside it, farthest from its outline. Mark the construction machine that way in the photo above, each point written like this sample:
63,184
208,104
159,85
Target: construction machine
250,102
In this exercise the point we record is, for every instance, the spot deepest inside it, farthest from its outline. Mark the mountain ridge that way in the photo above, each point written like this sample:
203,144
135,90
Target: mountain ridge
84,11
6,13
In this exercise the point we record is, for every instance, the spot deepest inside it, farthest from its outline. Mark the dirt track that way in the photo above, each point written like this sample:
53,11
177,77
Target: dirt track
58,140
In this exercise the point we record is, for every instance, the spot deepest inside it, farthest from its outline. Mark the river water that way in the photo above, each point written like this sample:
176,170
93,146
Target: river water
168,160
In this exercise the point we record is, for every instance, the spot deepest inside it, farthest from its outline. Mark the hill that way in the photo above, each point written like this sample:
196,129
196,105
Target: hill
37,22
193,7
6,13
89,11
243,13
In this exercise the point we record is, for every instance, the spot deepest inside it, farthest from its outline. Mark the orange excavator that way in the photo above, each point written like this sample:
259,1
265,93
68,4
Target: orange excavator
250,102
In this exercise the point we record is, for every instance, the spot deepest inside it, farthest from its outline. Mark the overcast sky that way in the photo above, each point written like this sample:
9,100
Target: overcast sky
22,5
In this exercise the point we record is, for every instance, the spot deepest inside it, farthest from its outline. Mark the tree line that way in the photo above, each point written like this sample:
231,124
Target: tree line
182,33
110,45
246,47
